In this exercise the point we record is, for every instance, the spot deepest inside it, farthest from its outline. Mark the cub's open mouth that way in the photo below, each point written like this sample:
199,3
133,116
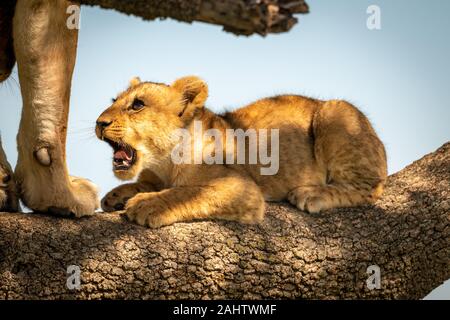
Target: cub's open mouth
125,156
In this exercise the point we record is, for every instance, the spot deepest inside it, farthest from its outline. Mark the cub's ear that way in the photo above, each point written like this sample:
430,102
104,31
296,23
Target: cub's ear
194,91
135,81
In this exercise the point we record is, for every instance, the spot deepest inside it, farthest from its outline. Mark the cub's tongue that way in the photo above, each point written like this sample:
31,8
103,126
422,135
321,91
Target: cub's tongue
122,155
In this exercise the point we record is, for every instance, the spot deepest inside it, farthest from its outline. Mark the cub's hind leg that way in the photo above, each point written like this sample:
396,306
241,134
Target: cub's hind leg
354,157
314,199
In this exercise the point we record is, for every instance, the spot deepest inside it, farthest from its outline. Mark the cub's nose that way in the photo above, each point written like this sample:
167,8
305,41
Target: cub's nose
101,124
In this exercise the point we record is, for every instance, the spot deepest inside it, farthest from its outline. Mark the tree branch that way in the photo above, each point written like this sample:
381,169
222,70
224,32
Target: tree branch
243,17
292,254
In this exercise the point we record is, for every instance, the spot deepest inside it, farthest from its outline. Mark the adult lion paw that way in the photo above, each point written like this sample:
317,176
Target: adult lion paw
77,198
86,196
9,200
148,209
82,201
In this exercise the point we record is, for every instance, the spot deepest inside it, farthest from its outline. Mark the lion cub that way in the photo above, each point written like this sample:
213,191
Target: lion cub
325,153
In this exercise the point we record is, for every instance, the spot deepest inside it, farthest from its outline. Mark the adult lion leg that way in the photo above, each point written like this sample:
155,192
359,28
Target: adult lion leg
8,196
45,50
8,192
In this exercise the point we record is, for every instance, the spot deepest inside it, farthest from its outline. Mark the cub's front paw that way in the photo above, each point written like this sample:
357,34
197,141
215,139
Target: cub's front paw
148,209
117,198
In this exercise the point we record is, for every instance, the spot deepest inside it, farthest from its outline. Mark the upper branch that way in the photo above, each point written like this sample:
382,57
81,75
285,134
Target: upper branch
243,17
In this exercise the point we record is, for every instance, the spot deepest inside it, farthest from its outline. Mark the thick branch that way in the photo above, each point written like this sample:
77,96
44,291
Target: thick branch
243,17
292,254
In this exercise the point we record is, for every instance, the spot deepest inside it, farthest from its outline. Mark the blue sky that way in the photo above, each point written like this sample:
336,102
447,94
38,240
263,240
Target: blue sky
398,76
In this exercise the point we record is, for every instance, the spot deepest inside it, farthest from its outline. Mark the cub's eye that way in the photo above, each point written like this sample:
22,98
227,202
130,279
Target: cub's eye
137,104
113,100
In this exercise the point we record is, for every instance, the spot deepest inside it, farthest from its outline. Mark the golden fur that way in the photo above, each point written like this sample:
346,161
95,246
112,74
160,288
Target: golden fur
329,156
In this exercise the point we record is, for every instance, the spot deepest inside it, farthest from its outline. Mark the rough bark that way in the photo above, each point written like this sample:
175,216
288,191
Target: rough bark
243,17
290,255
